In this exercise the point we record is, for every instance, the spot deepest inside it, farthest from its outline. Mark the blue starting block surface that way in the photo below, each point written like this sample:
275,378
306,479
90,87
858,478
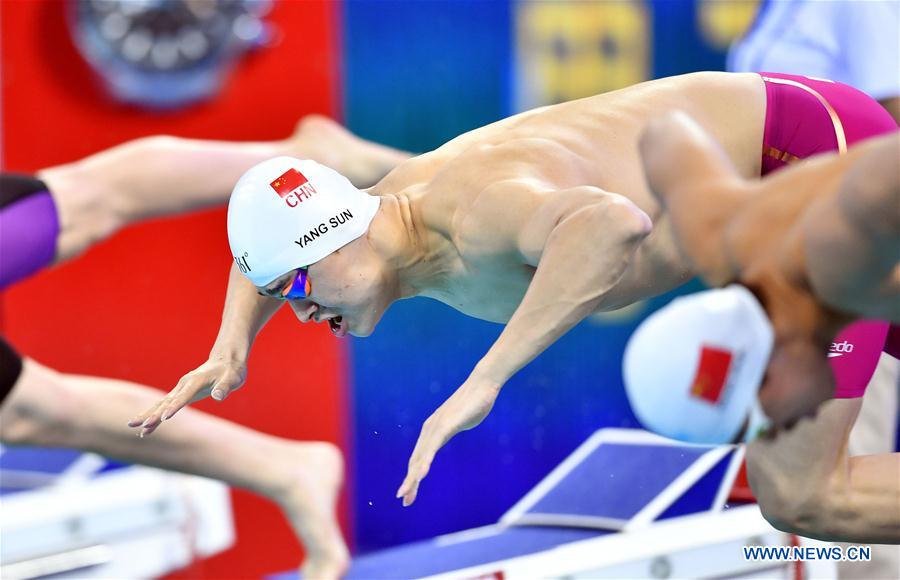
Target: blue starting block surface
26,468
617,480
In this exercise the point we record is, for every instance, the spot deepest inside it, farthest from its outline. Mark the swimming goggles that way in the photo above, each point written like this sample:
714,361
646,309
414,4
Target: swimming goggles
299,287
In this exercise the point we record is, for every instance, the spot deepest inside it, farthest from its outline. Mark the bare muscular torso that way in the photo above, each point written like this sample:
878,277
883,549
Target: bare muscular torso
548,151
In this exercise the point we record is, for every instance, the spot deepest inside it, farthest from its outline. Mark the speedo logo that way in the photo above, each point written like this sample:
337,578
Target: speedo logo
840,349
293,187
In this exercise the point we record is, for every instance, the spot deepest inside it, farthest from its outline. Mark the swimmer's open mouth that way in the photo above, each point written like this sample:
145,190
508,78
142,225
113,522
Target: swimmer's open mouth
338,327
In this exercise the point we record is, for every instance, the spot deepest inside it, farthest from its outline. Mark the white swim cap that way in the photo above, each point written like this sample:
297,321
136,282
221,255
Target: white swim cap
692,369
286,213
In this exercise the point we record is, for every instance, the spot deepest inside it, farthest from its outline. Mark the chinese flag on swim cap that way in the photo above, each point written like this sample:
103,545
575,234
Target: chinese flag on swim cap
692,369
712,371
288,182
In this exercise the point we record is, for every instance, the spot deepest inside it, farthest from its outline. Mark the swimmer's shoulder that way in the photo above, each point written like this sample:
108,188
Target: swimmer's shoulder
488,219
516,216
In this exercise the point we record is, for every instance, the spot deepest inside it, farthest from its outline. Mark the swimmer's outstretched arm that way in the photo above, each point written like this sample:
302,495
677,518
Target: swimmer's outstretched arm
581,242
807,484
245,314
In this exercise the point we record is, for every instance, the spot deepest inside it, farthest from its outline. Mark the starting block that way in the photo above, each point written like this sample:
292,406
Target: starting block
70,514
625,504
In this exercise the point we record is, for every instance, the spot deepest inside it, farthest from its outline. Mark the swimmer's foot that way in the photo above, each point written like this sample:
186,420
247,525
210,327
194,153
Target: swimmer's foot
308,497
324,140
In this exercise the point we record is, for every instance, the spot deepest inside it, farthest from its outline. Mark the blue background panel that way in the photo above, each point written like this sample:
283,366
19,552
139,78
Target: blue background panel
417,74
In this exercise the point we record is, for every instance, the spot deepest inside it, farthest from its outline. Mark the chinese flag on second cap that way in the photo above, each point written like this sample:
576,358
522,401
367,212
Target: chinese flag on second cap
711,374
288,182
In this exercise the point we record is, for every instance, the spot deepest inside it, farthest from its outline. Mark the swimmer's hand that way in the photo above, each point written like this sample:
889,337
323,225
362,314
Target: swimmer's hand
215,378
465,409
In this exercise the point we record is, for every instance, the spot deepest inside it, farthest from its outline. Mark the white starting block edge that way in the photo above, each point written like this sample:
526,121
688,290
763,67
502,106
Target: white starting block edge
518,513
133,522
707,545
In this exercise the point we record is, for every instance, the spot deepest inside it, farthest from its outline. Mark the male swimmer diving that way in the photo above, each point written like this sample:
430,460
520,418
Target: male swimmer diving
535,221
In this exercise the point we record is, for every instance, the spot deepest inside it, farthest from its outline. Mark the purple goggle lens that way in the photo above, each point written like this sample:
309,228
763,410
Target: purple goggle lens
298,289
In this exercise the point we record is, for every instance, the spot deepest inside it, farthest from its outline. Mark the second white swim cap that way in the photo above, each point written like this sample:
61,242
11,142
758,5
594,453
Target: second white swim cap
285,213
692,370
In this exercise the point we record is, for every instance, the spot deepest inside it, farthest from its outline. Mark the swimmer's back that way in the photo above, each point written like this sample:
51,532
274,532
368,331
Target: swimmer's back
600,134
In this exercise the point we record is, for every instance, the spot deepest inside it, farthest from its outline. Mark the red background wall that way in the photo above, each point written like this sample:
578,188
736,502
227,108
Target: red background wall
145,305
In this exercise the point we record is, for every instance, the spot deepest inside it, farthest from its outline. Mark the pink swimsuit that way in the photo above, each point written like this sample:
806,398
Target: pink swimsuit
806,116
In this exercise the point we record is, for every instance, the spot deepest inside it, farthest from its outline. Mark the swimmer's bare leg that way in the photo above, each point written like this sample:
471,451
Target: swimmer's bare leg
52,409
330,143
162,175
852,242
